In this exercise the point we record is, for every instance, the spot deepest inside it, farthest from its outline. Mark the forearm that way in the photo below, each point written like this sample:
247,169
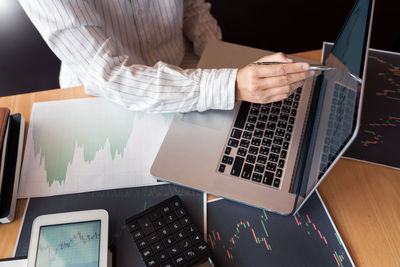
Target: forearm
162,87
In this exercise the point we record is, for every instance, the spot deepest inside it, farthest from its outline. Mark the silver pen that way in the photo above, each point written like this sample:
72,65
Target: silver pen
312,66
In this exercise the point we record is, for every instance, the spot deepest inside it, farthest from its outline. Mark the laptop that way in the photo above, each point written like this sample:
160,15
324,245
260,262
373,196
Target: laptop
272,156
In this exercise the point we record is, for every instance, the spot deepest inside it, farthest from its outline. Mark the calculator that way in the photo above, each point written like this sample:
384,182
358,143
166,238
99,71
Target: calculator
166,236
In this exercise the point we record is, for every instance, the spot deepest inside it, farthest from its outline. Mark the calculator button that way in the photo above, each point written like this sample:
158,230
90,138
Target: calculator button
164,232
184,244
147,252
175,226
180,212
190,254
146,225
190,229
166,209
167,264
151,262
201,248
177,204
169,241
196,238
170,217
180,235
142,243
174,250
133,226
162,256
153,238
157,247
159,223
185,221
180,260
137,235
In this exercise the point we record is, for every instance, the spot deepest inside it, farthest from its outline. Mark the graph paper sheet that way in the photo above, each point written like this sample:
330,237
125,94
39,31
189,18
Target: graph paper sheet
240,235
89,144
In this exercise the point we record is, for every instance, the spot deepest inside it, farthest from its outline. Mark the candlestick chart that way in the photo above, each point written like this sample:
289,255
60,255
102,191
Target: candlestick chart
377,139
240,235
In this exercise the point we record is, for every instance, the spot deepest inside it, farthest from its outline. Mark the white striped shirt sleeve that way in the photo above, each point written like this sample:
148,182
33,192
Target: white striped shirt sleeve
76,33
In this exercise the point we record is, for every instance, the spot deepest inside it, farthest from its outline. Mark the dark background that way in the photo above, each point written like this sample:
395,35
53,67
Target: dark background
27,64
299,25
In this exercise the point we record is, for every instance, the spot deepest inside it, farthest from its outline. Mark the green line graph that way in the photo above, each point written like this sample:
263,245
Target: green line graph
59,134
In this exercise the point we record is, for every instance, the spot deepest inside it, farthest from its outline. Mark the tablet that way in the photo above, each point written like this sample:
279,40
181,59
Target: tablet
69,239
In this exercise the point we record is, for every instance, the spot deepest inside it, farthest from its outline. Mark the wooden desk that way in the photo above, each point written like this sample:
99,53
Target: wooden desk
363,199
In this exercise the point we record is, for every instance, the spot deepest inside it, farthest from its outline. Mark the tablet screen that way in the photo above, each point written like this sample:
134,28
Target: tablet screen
72,244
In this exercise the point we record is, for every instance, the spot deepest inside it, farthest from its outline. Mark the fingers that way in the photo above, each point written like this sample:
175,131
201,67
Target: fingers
268,95
270,83
281,81
262,71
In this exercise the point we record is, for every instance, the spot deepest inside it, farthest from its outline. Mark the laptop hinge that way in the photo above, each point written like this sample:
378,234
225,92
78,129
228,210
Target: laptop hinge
308,141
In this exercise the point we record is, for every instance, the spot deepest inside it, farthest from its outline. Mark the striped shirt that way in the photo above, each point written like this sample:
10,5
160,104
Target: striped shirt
128,51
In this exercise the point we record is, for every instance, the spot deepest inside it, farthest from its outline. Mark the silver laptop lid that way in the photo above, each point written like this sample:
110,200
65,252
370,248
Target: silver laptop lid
338,106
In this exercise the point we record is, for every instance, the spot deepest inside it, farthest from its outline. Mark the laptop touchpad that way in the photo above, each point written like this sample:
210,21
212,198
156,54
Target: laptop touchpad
214,119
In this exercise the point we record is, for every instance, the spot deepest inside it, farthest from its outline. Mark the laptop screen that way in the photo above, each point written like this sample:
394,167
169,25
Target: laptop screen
340,93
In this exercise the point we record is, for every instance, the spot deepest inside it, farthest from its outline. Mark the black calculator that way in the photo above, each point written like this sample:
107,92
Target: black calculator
166,236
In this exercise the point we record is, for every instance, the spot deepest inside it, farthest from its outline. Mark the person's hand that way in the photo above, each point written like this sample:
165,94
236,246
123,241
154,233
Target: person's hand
270,83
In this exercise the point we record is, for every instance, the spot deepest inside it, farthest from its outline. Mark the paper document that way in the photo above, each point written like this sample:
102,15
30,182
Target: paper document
89,144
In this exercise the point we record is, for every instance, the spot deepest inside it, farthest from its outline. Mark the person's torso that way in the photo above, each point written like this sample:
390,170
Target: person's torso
147,31
150,29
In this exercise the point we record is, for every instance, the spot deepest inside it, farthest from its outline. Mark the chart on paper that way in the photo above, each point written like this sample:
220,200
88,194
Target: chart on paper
89,144
377,137
377,140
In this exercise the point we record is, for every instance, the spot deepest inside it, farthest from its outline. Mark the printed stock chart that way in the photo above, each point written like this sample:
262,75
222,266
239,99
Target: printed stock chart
75,244
240,235
377,139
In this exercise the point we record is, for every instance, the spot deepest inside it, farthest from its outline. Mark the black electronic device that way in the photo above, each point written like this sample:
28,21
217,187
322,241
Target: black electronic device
166,236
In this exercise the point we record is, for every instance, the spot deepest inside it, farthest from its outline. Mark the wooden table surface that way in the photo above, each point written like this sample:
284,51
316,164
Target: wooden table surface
363,199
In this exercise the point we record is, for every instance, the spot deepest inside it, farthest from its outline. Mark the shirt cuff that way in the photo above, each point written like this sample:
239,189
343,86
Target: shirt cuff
217,89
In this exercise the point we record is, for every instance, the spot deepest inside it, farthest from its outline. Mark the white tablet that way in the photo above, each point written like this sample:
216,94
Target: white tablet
69,239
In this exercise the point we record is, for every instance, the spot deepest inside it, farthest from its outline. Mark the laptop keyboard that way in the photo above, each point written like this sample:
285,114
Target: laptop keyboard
259,141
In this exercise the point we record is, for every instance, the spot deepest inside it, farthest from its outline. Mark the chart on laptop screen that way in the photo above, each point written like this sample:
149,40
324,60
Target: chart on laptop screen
89,144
